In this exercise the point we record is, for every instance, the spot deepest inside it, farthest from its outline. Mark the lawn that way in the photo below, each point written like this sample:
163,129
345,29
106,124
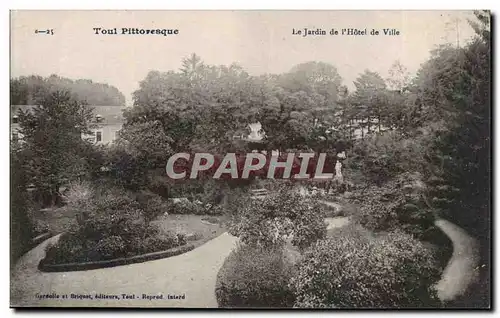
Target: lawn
200,228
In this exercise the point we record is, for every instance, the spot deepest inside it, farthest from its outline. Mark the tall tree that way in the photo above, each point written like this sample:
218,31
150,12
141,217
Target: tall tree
370,98
192,66
52,138
314,78
399,77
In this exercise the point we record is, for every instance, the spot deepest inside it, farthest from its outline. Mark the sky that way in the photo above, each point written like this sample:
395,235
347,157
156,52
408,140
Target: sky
259,41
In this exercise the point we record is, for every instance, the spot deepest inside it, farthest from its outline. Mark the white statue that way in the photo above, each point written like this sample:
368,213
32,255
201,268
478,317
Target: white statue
338,171
338,167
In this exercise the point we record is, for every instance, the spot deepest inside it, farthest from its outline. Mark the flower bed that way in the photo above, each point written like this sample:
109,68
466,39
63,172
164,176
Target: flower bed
46,267
113,227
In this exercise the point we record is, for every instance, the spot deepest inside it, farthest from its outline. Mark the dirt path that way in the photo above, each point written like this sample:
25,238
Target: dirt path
461,270
191,274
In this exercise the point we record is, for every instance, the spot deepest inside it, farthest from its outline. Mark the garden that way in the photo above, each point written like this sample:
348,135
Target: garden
368,240
288,258
112,224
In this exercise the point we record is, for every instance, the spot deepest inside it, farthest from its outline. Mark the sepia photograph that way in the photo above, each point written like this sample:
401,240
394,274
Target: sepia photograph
254,159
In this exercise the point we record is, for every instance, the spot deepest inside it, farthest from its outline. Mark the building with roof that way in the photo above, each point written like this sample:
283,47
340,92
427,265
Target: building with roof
108,121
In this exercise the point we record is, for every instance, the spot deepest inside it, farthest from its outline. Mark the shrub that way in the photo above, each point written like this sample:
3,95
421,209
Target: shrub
154,240
276,218
126,169
216,209
186,207
181,238
69,248
186,188
40,227
73,248
159,184
397,204
254,277
213,192
355,269
309,227
112,223
152,205
235,199
109,215
77,193
111,247
158,242
384,156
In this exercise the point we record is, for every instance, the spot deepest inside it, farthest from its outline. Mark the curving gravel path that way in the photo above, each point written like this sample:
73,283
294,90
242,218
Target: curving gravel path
461,270
191,274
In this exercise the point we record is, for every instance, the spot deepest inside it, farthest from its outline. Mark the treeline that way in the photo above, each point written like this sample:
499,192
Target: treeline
201,107
29,90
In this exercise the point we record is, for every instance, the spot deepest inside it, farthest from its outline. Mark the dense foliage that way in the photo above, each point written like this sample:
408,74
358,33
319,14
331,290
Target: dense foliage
255,277
398,204
444,133
29,90
202,107
54,152
21,223
354,269
280,217
111,224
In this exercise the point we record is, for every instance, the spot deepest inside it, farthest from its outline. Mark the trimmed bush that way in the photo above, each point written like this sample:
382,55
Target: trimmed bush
354,269
255,277
275,219
158,242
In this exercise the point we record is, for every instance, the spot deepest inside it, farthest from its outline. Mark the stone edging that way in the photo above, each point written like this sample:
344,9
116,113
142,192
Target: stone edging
114,262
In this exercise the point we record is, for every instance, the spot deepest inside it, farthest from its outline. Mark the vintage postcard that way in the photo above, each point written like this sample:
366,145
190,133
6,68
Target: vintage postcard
250,159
